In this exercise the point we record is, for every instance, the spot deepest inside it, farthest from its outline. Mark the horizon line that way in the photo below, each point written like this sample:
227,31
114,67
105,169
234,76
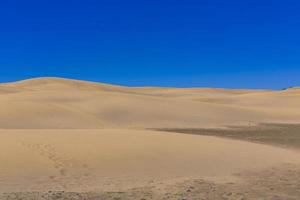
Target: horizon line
143,86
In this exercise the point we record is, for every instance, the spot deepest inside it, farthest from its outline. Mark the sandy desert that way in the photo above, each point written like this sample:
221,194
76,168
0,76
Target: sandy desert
71,139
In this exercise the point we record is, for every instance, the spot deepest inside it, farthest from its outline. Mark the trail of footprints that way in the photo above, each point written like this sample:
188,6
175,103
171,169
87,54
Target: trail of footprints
69,171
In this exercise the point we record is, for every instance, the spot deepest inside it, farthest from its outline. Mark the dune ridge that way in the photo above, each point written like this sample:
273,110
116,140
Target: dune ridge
65,103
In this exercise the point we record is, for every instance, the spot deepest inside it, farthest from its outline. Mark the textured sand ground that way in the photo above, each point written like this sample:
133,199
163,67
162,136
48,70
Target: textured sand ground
66,139
275,183
136,164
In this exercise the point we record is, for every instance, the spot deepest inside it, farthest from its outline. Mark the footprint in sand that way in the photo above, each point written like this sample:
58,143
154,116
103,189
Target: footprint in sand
63,172
68,170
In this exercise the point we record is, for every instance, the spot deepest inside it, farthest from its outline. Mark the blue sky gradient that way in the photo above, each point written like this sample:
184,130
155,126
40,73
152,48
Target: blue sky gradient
191,43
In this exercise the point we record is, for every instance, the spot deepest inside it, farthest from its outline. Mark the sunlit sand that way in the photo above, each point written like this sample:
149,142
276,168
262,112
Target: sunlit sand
74,136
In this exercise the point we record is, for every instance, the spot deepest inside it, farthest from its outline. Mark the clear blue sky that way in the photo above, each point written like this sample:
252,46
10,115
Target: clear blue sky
184,43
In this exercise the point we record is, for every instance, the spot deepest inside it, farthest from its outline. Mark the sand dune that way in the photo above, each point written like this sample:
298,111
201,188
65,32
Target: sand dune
96,160
69,139
63,103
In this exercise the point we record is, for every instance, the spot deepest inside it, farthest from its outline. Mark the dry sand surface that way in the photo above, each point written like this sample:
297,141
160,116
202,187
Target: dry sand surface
67,139
61,103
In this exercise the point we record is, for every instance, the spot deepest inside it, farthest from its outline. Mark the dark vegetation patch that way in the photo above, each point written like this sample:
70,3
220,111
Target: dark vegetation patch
283,135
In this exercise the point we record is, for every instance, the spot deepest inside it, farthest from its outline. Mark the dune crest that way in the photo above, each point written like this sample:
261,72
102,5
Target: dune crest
65,103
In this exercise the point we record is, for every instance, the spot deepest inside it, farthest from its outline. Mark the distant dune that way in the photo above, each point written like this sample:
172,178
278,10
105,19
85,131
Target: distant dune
63,103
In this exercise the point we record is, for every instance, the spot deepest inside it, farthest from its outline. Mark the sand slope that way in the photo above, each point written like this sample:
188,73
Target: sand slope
69,139
63,103
96,160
